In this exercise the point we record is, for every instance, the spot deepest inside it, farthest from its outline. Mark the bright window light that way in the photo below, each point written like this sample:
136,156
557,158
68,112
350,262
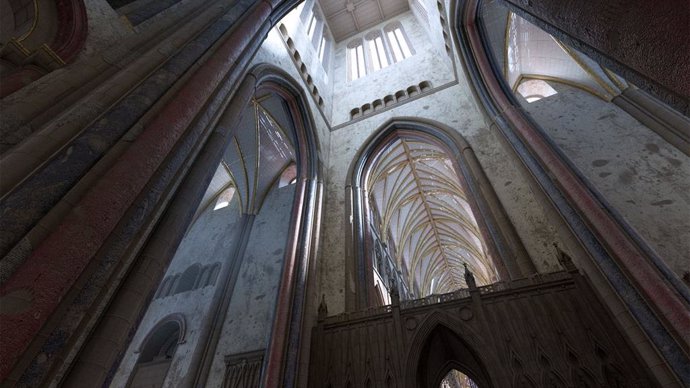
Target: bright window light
403,43
322,48
401,49
535,89
377,53
224,198
311,26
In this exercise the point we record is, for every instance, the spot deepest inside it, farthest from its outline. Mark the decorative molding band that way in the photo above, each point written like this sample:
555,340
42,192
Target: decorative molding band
243,370
399,103
390,100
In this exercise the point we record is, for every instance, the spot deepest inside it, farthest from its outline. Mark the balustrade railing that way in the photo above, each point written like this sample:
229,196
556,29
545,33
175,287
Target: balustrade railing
461,293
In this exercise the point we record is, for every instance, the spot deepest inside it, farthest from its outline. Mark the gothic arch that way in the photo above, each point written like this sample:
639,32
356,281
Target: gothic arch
52,37
291,301
157,349
176,319
423,371
509,256
625,260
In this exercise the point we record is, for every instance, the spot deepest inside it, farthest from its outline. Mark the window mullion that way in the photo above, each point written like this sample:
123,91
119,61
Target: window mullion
387,49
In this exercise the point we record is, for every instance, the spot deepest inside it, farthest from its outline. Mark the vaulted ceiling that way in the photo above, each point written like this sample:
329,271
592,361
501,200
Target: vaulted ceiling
532,54
346,18
260,150
421,202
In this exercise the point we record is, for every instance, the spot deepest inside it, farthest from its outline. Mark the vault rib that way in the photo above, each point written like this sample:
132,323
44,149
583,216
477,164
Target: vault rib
430,216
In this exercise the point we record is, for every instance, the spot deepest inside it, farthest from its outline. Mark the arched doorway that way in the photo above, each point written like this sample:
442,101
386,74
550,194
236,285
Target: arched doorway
446,361
422,209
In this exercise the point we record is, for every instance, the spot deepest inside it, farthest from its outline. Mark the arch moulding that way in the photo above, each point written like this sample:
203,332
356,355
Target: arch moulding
509,255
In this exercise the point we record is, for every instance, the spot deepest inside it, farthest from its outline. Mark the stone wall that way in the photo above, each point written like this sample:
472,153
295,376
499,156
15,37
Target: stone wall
212,238
454,107
644,178
425,65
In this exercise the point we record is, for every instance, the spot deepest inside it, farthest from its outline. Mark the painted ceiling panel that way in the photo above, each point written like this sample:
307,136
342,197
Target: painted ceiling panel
422,204
346,18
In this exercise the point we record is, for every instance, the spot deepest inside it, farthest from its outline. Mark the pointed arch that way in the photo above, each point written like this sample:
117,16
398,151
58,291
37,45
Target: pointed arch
157,350
501,241
287,331
188,279
421,370
629,265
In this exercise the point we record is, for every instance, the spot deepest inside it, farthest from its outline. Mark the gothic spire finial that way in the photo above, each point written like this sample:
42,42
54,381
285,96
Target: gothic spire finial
323,308
469,278
395,294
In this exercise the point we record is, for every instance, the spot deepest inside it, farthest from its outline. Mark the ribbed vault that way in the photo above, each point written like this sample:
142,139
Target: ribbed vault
531,54
261,149
416,191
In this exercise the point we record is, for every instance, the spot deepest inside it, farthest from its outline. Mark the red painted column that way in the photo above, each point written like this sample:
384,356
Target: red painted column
58,262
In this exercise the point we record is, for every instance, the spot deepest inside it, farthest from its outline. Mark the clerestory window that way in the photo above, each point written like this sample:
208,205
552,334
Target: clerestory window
355,60
398,42
377,52
380,49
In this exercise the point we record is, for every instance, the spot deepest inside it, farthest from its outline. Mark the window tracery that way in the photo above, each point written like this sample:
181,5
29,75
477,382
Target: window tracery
398,41
355,60
377,52
383,48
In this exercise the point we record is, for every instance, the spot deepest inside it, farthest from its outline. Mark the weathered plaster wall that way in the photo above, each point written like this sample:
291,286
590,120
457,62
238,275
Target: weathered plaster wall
453,107
249,318
211,239
320,74
106,28
642,176
425,64
494,17
431,22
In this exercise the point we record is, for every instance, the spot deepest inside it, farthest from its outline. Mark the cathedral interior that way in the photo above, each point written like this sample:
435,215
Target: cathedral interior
345,193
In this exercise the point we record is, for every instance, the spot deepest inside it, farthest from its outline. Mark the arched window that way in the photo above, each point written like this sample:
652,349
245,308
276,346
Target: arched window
224,198
397,39
376,51
424,207
188,279
271,131
413,190
289,176
174,281
355,60
321,51
156,355
164,287
311,25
